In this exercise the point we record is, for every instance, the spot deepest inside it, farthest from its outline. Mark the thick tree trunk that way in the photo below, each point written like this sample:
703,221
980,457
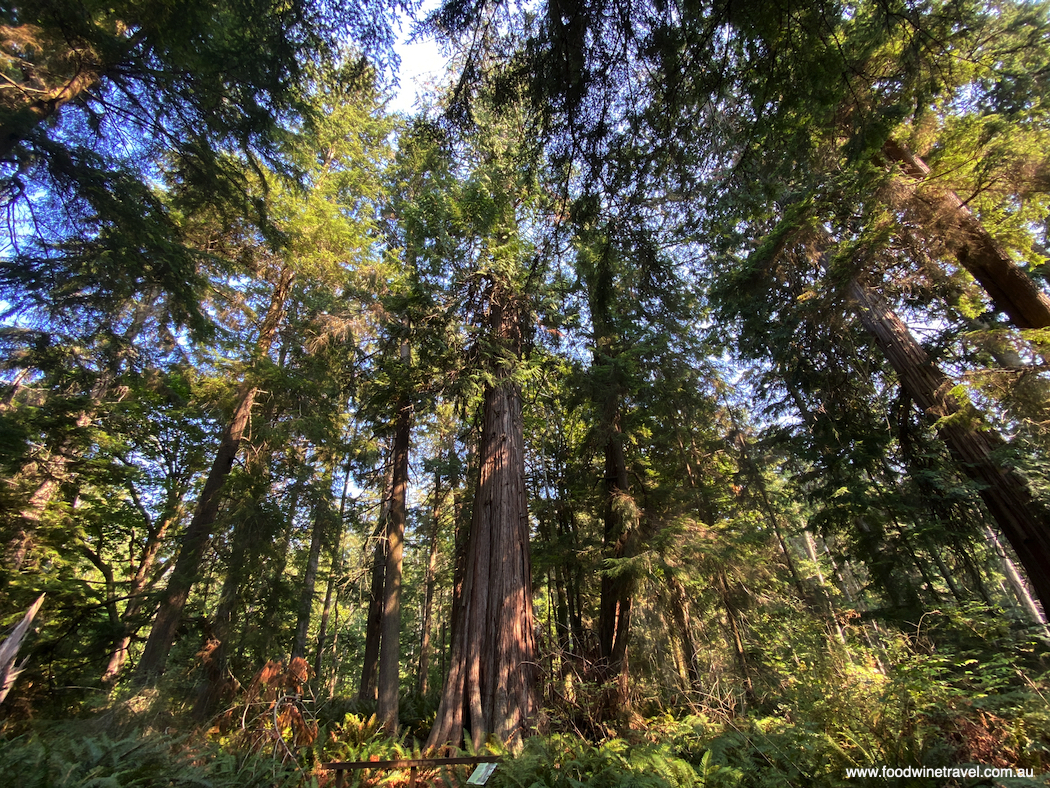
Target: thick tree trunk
198,533
491,684
390,648
1022,520
1011,290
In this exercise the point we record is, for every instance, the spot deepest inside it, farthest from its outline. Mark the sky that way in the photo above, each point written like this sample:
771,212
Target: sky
422,64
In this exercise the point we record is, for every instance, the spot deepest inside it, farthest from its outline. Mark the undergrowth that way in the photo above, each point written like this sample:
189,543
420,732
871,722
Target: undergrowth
74,755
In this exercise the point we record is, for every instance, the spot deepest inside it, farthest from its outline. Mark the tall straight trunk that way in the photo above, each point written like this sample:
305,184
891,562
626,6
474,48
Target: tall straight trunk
736,639
491,684
322,521
366,691
198,533
758,491
390,648
430,581
273,610
618,586
331,596
1011,290
1022,520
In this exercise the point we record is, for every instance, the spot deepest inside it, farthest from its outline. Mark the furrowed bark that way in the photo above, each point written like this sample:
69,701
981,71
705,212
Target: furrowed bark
374,622
1023,520
491,685
1011,290
390,647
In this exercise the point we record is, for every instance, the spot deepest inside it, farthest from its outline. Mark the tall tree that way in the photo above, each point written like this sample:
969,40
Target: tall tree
491,687
197,534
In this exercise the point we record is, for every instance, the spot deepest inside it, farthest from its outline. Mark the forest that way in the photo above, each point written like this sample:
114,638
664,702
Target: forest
663,401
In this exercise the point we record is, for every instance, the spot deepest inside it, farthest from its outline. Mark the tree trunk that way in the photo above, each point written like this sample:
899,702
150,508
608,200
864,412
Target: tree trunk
9,649
736,641
680,609
618,585
215,685
491,684
390,648
331,596
1022,520
1017,584
1011,290
136,601
198,533
423,671
374,621
322,520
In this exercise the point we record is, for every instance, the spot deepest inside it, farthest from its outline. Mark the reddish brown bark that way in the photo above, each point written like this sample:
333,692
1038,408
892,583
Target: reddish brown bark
1011,290
390,648
491,686
973,444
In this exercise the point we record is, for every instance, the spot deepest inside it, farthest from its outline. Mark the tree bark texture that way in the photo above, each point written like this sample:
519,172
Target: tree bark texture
491,684
198,533
374,621
1011,290
390,647
1022,520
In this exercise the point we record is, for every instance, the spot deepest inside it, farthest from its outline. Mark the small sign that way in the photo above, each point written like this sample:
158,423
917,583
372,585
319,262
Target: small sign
481,774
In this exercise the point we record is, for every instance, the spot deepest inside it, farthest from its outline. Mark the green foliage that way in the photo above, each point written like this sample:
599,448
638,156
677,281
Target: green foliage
570,762
72,755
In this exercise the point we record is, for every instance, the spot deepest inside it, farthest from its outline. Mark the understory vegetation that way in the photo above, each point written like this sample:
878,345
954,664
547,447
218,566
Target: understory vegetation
663,401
